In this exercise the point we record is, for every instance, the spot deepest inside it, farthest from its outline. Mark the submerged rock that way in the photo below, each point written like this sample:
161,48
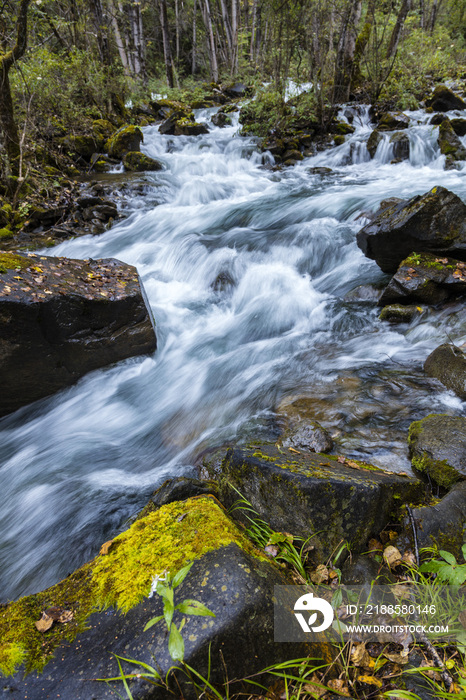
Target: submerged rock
302,432
61,318
373,142
109,602
136,161
425,279
364,293
447,363
443,100
328,499
437,446
431,223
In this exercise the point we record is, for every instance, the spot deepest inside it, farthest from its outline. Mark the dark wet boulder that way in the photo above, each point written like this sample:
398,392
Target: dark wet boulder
397,313
390,121
373,142
341,128
236,90
441,525
437,446
425,279
109,603
136,161
400,142
124,140
292,156
459,126
437,119
61,318
168,126
449,143
431,223
83,146
328,499
103,129
221,119
447,363
443,100
180,489
186,127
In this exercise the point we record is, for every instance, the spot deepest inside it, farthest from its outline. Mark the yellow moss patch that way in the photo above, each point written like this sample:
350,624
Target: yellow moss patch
163,540
9,261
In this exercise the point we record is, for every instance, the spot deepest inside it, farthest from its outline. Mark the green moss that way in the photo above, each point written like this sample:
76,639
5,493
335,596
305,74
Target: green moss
9,261
163,540
6,233
438,470
426,260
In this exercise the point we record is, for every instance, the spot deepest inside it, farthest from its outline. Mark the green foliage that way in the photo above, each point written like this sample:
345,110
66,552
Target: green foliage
266,112
447,568
56,84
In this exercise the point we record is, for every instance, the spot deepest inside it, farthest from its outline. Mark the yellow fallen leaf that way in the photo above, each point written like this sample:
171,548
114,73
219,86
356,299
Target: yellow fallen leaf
44,623
106,547
292,449
370,680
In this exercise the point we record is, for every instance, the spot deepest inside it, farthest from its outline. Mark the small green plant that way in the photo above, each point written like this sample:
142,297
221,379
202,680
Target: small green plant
447,568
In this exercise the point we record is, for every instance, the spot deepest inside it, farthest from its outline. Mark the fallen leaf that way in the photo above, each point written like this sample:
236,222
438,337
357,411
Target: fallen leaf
320,575
271,550
462,618
392,556
66,616
106,547
360,655
339,686
341,460
370,680
291,449
44,623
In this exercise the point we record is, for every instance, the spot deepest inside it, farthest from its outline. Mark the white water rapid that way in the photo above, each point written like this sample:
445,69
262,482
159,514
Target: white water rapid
76,466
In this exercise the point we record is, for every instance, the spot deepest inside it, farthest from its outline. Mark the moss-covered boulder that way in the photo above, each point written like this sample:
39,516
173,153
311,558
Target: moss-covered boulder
168,126
109,604
103,129
437,446
431,223
447,363
83,146
441,524
400,143
126,139
61,318
443,100
328,499
396,313
425,279
135,161
187,127
221,119
373,142
390,121
449,143
459,126
341,128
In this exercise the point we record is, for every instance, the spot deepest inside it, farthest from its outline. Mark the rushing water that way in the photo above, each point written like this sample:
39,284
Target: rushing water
275,325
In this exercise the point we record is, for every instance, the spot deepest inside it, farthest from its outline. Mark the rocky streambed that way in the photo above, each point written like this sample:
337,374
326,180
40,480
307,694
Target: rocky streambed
268,321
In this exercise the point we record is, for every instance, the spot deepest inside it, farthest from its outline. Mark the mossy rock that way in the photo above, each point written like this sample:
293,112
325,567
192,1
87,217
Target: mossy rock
437,446
373,142
400,142
449,143
396,313
127,138
187,127
5,233
447,363
10,261
83,146
443,100
108,598
424,278
315,495
136,161
339,140
103,129
393,120
441,525
342,128
434,222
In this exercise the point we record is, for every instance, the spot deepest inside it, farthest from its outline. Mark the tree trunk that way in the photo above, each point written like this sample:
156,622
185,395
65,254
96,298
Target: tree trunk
166,43
434,14
345,52
100,28
422,14
193,64
119,39
7,117
361,43
398,28
211,43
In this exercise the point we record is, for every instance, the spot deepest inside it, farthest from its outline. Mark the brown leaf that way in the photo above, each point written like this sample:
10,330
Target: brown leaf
66,616
353,465
271,550
320,574
392,556
44,623
106,547
341,460
462,618
339,686
359,655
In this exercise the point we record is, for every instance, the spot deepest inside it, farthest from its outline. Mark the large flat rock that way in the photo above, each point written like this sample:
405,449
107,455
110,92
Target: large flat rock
315,495
61,318
432,223
110,603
